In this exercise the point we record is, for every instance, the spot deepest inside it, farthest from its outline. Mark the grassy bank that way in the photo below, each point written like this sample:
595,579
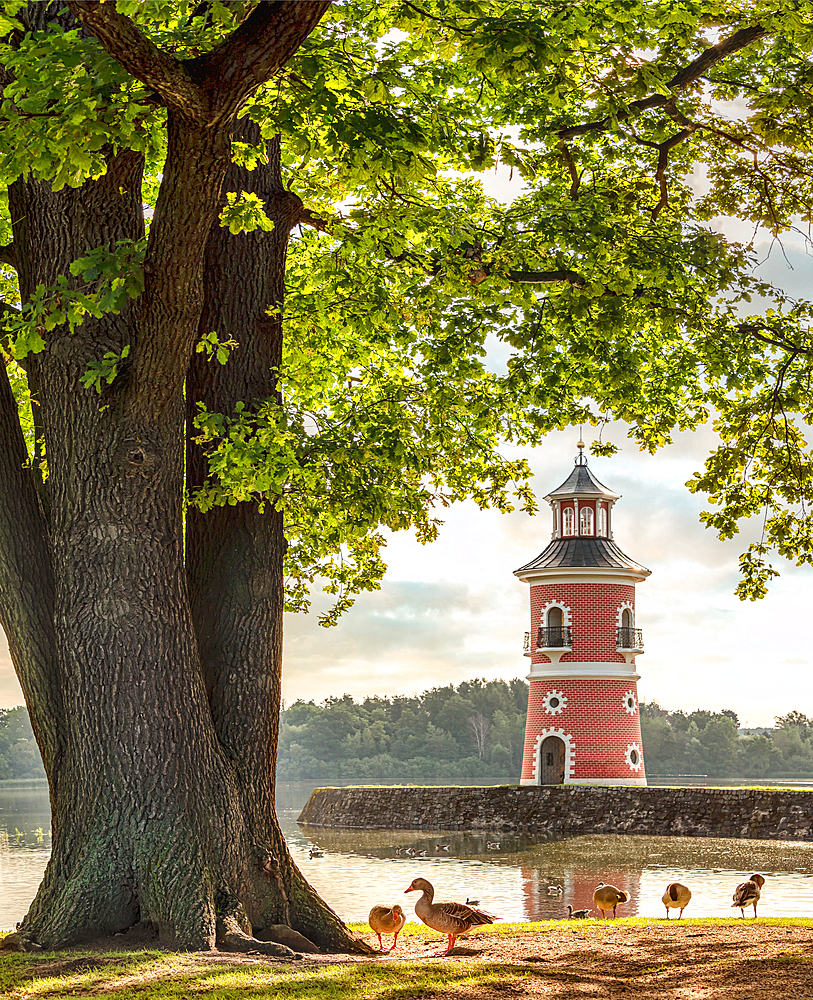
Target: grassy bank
641,956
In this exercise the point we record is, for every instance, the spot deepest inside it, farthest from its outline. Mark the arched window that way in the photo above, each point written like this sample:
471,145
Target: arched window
567,521
554,631
602,522
554,618
627,619
586,521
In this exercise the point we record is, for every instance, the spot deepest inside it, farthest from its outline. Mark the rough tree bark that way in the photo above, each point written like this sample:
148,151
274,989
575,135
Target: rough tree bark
235,553
156,715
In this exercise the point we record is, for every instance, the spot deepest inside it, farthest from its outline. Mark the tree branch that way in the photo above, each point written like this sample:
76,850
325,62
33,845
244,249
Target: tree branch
478,274
660,173
121,38
679,82
254,51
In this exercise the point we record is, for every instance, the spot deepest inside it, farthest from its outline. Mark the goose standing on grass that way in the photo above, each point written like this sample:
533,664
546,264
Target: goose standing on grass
577,914
452,919
607,897
676,895
387,920
747,893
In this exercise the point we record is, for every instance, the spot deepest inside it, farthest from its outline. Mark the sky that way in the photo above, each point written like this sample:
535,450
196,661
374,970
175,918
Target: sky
453,610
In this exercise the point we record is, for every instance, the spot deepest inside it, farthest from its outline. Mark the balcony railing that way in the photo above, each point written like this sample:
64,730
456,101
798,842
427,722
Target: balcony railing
629,638
555,637
526,645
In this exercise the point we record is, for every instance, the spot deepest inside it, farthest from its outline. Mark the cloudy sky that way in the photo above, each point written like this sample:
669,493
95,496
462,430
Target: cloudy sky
453,610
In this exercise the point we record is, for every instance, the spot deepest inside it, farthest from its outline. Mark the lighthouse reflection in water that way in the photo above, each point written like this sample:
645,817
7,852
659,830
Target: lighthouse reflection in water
522,880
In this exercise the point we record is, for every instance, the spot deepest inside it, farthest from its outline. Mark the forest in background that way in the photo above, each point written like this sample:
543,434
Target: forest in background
475,732
19,753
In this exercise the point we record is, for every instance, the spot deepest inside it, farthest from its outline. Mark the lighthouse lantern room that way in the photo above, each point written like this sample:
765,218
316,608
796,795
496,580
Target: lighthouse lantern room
583,723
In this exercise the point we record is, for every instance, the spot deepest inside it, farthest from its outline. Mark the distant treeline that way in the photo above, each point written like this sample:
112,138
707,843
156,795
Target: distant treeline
469,733
19,753
708,743
475,732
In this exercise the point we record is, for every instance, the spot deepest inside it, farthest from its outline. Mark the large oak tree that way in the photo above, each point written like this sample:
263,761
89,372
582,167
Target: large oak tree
179,459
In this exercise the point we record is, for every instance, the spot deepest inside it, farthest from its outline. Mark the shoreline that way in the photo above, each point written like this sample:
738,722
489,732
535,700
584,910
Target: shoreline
642,958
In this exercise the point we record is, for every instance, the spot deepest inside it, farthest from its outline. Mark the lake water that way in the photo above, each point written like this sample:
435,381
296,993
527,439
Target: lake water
360,867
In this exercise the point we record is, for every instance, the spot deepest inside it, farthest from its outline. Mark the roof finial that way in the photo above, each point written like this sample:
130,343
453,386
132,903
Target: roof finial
580,459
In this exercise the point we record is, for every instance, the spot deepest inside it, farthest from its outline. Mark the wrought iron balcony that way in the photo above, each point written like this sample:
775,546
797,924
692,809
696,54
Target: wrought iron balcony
526,645
558,637
629,638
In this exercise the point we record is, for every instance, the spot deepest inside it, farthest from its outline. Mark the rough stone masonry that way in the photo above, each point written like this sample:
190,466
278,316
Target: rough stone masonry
757,813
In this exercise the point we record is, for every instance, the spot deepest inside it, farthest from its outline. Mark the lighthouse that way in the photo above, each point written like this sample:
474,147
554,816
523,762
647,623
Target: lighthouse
584,724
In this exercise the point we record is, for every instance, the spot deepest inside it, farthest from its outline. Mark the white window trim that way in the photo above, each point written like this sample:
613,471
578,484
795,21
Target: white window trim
572,519
555,604
626,606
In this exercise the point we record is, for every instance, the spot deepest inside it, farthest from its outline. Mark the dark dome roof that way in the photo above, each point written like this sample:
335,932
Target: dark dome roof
582,483
596,553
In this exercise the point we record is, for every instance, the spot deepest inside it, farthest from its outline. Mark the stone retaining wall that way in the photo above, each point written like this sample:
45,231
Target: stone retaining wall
551,810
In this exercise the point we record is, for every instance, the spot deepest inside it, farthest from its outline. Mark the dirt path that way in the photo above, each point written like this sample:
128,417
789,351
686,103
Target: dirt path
747,961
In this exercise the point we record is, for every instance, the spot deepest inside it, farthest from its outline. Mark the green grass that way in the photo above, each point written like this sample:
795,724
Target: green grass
166,976
153,974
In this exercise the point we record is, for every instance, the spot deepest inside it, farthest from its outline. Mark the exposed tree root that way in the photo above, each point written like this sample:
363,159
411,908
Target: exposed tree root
231,937
283,934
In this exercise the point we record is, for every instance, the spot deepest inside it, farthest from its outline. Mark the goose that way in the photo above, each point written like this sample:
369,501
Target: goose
555,890
607,897
314,852
577,914
451,919
676,895
472,902
747,893
492,845
387,920
442,847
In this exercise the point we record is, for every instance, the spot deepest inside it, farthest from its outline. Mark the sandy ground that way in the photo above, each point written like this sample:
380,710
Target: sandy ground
748,960
685,960
751,960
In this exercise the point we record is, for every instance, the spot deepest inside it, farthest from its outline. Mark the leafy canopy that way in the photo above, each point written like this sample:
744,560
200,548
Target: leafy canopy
428,323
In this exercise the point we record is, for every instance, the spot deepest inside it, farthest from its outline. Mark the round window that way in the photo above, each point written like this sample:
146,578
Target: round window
634,757
631,702
553,702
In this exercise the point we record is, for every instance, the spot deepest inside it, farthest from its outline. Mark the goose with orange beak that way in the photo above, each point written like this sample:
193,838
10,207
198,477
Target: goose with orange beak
451,919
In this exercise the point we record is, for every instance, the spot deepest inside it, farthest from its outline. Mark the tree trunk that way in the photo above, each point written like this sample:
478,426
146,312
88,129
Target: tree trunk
156,717
235,553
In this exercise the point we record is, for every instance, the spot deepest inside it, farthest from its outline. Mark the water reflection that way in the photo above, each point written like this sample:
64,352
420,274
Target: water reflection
361,867
519,883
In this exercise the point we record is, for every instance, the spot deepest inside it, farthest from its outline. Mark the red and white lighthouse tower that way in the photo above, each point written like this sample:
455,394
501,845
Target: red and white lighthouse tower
583,726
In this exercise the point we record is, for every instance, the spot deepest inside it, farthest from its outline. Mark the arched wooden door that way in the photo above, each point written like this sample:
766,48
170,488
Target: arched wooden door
552,761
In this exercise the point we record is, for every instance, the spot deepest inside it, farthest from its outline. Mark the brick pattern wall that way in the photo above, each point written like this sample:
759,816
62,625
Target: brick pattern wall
550,810
592,614
594,720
